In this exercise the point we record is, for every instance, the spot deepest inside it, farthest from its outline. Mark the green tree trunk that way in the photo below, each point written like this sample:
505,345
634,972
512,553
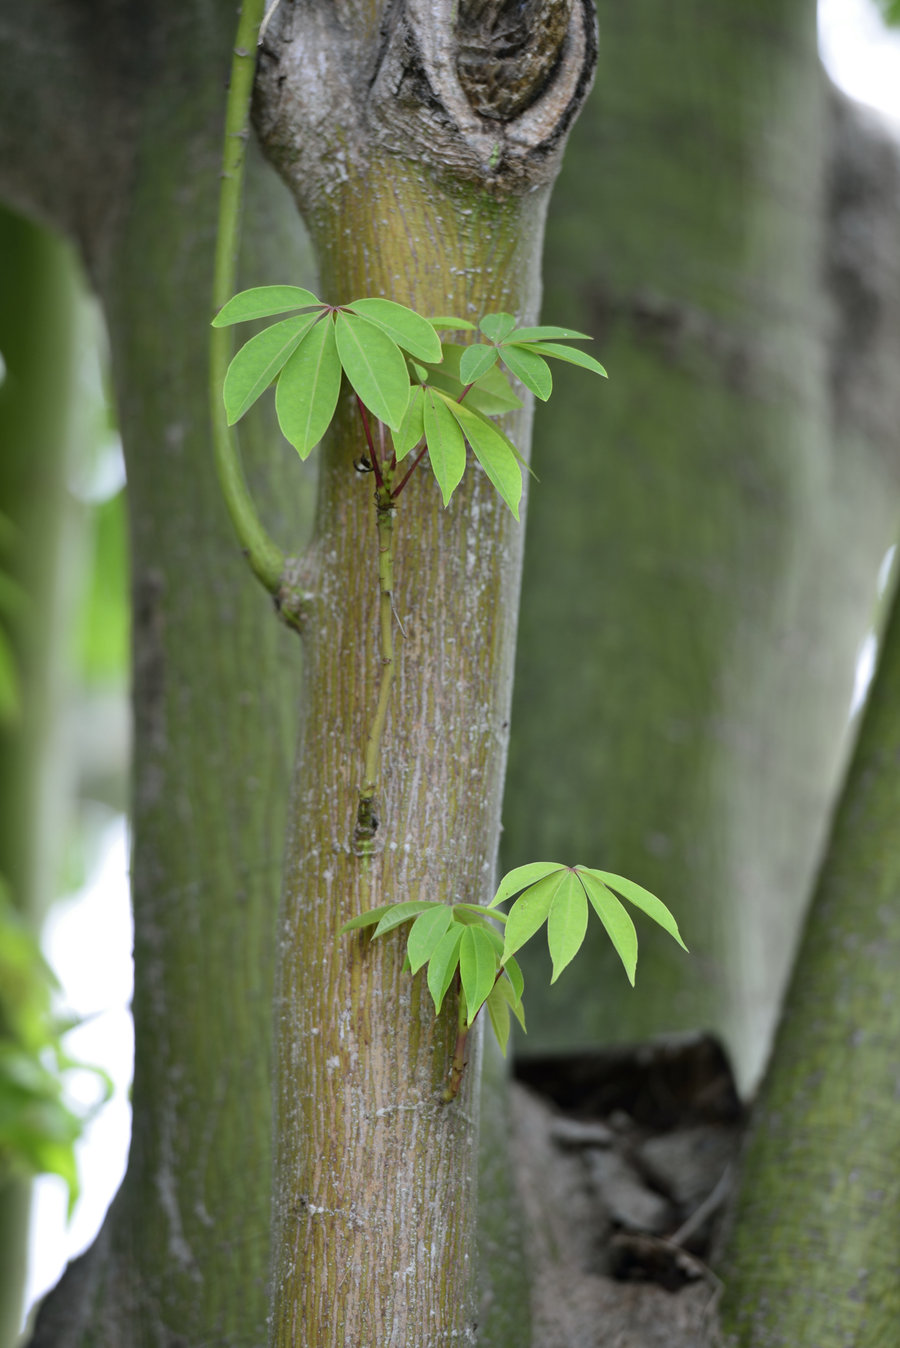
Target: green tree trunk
815,1248
701,555
38,328
184,1254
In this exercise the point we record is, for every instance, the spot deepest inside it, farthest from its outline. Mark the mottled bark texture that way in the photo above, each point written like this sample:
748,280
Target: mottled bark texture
111,118
415,188
703,548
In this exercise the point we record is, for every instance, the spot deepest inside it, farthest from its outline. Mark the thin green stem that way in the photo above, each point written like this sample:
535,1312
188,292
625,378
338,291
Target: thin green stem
264,556
366,818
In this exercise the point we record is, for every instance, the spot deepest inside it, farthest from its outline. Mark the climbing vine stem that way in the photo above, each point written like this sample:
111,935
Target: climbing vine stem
265,558
366,816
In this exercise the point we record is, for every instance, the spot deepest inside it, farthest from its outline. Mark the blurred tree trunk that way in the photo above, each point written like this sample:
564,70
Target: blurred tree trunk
702,552
38,328
134,110
814,1250
815,1247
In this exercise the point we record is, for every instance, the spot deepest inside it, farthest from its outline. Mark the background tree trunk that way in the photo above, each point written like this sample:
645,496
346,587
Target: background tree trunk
38,330
814,1253
702,553
814,1250
137,117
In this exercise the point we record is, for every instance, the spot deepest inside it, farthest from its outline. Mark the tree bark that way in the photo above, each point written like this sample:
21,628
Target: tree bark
702,553
419,183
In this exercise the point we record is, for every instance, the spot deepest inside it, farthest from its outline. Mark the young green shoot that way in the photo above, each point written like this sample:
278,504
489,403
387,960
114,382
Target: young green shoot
474,949
417,394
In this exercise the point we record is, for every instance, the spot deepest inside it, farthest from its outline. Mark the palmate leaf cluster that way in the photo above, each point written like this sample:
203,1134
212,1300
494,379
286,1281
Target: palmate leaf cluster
462,938
442,395
450,939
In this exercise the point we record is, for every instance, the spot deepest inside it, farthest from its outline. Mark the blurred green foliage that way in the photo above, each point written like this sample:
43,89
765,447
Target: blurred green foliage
38,1128
890,10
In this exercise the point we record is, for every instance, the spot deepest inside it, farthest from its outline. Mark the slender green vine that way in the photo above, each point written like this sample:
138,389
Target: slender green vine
265,558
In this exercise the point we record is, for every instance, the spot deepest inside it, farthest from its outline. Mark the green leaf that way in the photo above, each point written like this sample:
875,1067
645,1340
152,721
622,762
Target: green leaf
375,367
548,335
507,992
442,965
566,923
498,1011
399,913
413,427
570,354
259,361
404,326
308,387
480,912
446,448
493,401
497,326
425,933
496,941
641,898
476,361
514,974
493,451
448,323
477,969
369,919
619,926
532,369
262,302
520,877
491,394
530,910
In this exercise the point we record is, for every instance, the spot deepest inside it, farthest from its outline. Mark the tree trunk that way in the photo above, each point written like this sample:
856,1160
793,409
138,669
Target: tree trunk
702,553
134,112
38,328
814,1251
422,200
